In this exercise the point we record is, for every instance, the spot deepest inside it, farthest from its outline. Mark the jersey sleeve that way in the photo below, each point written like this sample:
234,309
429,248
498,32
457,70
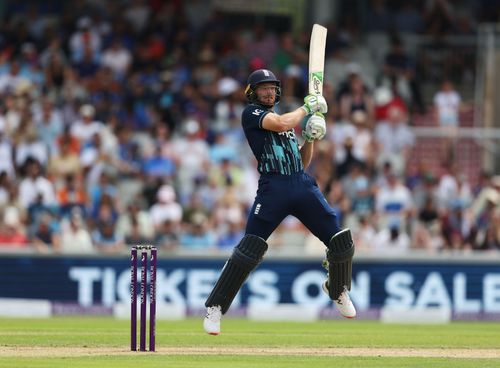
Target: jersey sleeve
253,116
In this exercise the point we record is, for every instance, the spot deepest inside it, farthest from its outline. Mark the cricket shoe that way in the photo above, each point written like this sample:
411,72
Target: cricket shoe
211,323
343,303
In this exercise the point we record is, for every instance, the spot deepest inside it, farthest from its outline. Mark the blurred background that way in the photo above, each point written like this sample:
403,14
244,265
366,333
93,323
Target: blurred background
120,125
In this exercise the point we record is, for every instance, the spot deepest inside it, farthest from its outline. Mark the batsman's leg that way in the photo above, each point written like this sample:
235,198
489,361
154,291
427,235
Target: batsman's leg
339,256
246,256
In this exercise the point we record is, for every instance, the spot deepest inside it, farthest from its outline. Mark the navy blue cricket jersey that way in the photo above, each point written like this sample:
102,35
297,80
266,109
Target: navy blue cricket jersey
275,152
284,188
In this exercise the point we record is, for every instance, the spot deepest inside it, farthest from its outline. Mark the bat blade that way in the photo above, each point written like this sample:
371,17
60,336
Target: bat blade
317,59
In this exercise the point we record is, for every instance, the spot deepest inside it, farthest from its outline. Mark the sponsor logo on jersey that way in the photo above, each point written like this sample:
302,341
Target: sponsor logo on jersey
290,134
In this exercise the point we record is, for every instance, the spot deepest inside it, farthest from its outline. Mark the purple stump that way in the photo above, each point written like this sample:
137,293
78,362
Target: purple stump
133,299
144,266
152,299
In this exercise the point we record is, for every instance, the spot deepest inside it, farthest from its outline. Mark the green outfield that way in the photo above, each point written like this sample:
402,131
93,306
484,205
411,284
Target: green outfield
104,342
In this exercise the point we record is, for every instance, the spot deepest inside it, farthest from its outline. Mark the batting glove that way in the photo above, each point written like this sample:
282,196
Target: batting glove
313,103
315,128
307,137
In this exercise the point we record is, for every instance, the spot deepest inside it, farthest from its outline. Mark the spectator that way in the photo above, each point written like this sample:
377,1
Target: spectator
385,98
452,188
85,39
345,166
66,138
135,223
31,146
106,239
427,228
71,194
72,88
365,233
288,53
63,164
74,236
231,235
46,236
155,165
357,98
106,211
12,81
15,109
96,161
447,105
197,234
262,44
54,74
392,239
357,187
5,188
195,205
11,233
485,224
399,73
457,228
53,51
30,65
393,203
166,208
6,155
222,149
49,124
394,140
339,134
206,71
167,236
226,173
363,141
228,209
117,58
105,187
87,127
489,192
129,157
192,156
88,66
35,186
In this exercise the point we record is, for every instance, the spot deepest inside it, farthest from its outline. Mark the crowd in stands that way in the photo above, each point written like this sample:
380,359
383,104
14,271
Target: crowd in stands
120,125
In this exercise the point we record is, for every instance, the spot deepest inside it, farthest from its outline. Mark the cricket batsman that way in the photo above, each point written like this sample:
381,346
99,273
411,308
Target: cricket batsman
284,189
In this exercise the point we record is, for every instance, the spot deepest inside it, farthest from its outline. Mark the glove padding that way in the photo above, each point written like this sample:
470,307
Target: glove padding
315,128
313,103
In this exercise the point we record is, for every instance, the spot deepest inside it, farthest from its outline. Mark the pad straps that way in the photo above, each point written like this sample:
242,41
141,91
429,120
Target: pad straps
339,255
246,256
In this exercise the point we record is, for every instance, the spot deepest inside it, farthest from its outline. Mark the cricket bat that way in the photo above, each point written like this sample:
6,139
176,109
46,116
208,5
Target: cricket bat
317,59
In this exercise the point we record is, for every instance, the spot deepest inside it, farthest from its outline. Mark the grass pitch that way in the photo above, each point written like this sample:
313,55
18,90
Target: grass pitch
104,342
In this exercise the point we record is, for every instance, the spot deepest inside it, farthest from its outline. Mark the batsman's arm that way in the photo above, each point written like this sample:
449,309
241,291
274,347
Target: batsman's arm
306,153
285,122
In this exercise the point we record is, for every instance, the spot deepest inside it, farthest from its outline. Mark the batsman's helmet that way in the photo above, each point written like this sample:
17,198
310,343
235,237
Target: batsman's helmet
261,76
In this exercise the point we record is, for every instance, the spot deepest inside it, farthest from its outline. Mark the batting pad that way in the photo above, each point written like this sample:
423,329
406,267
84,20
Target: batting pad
339,255
246,256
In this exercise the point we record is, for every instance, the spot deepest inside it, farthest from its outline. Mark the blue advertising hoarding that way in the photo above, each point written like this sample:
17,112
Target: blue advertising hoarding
465,287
